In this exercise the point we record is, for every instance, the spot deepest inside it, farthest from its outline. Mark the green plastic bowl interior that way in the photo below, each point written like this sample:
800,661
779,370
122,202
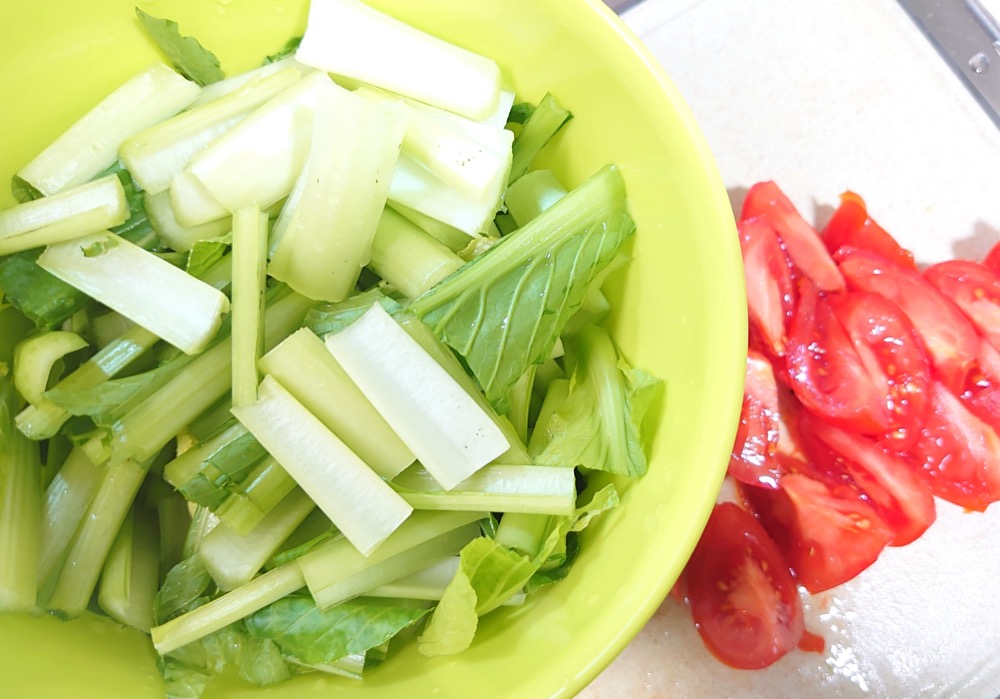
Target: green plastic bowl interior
680,314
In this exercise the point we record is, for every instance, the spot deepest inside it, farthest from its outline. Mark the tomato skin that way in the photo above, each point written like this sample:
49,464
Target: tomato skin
975,289
827,530
851,226
958,455
769,283
894,356
804,246
743,599
752,460
950,339
826,372
896,491
992,258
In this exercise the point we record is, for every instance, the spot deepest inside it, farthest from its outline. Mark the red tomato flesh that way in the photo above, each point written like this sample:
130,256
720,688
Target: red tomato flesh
770,288
804,246
743,600
826,372
752,460
975,289
851,225
950,339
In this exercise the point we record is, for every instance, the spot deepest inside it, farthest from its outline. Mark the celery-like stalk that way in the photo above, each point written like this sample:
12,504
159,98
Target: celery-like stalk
230,607
303,365
256,496
546,119
233,559
63,507
428,584
258,160
72,213
192,203
449,236
131,574
176,235
443,426
158,153
78,578
20,480
324,234
249,277
35,357
349,38
531,194
179,308
523,531
221,88
520,403
336,560
505,488
353,496
91,145
147,428
408,258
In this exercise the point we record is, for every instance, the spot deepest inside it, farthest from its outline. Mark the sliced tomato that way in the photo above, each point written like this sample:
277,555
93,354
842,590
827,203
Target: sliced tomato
827,531
752,460
981,394
826,372
957,453
770,288
992,258
743,599
804,246
950,339
975,289
893,355
851,225
888,482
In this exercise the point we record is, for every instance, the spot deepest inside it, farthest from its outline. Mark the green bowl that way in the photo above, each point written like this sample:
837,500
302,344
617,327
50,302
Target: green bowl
680,314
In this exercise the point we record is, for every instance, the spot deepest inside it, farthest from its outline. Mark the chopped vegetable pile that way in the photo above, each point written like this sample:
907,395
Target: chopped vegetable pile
871,389
297,369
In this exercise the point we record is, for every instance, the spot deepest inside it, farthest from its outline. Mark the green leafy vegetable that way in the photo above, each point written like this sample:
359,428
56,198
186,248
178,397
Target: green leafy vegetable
190,58
318,637
206,253
185,587
289,49
541,124
505,310
334,317
598,425
23,190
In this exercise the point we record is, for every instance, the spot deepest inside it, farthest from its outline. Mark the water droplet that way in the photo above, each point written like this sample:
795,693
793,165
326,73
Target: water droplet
979,63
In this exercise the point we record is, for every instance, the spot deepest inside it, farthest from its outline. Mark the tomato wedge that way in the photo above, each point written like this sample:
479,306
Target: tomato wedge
827,530
950,339
752,460
770,288
893,355
992,258
889,483
957,453
975,289
743,600
826,372
804,246
851,225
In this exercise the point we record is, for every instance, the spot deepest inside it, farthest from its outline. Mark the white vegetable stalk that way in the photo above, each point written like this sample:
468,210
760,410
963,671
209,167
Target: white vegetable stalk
361,505
443,426
415,187
70,214
249,263
131,574
323,236
429,584
35,357
157,154
469,156
303,365
217,90
408,258
91,145
179,308
257,161
349,38
233,559
177,236
192,204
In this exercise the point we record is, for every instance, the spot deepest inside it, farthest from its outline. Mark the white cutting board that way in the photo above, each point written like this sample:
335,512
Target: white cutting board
823,97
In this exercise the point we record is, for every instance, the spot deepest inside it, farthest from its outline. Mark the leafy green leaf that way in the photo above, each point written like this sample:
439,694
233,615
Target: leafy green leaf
318,637
190,58
334,317
184,588
206,253
289,49
23,190
598,425
453,624
100,247
505,309
41,297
